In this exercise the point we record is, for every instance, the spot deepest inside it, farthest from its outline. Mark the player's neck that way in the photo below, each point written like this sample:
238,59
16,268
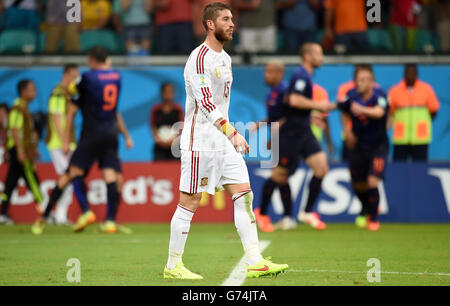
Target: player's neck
104,66
64,84
276,84
410,83
213,43
25,101
308,67
367,95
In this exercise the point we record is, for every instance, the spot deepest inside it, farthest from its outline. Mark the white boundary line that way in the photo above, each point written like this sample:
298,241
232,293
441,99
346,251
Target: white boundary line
364,272
238,275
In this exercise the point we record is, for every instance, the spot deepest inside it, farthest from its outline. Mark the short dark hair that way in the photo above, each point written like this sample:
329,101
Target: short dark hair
211,12
99,54
365,67
166,84
4,106
411,66
69,66
22,85
358,67
307,47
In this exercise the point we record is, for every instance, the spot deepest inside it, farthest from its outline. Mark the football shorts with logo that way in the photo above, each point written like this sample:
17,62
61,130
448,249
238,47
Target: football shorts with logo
363,163
294,146
204,171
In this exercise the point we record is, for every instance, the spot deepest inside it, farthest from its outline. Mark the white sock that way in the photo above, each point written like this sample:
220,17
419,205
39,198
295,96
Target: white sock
245,223
179,230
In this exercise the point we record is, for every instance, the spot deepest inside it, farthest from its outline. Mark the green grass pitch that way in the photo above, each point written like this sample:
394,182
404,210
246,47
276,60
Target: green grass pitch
409,254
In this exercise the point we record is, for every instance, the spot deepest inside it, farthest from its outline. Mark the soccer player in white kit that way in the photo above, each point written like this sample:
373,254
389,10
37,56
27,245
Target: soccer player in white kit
211,149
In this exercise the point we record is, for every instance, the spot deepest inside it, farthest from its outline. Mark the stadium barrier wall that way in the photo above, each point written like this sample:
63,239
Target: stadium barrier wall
141,90
410,193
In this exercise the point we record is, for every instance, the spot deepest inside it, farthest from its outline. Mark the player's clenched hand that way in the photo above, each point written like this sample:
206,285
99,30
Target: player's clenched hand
325,107
240,144
65,146
129,143
357,109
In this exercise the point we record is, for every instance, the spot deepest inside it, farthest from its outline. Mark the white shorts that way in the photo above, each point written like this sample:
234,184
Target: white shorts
60,160
207,170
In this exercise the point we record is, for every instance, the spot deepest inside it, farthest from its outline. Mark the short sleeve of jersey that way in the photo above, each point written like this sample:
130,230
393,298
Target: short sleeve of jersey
298,84
56,104
80,86
15,119
382,100
346,103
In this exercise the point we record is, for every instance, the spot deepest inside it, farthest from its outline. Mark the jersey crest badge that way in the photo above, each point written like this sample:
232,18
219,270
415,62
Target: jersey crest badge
218,74
203,181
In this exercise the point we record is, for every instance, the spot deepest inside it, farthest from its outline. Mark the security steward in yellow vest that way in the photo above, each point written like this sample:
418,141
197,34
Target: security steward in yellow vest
413,105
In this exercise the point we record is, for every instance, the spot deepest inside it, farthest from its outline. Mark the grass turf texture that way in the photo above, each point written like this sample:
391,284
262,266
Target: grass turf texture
337,256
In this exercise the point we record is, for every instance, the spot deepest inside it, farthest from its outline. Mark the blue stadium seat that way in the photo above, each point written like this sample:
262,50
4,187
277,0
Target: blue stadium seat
427,38
106,39
379,39
17,41
319,36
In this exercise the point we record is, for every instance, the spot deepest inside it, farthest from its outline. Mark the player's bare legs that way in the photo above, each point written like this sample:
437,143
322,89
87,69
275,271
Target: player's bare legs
319,165
280,175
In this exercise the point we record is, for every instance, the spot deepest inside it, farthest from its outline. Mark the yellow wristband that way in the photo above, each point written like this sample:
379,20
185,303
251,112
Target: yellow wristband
227,129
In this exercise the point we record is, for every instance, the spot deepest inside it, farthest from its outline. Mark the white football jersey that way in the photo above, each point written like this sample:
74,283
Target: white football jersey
208,77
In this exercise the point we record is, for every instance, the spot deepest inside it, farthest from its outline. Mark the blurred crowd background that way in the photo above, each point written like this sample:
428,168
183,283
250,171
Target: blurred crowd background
145,27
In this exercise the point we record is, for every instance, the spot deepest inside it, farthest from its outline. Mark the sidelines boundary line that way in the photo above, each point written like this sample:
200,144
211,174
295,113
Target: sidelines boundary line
238,275
364,272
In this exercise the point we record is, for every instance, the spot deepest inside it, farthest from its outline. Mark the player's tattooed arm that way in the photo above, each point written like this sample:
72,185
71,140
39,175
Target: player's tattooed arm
71,112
